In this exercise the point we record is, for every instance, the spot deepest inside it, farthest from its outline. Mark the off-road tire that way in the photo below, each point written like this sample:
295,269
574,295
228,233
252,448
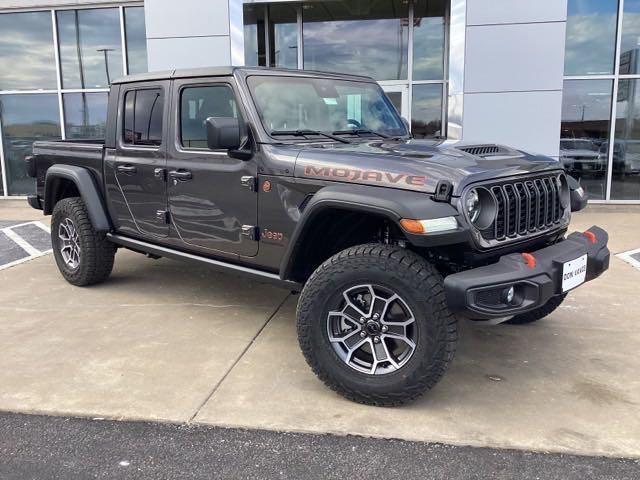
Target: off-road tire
420,286
96,252
538,313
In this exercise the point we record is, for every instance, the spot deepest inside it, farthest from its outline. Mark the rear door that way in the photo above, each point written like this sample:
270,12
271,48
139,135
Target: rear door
139,166
212,200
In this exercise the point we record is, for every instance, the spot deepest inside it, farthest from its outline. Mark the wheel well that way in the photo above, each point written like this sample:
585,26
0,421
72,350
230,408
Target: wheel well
334,230
60,188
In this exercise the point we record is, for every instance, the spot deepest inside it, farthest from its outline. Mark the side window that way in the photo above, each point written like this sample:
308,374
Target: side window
199,103
143,117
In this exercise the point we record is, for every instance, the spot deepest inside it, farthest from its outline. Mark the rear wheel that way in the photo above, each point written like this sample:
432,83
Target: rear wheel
374,326
538,313
84,256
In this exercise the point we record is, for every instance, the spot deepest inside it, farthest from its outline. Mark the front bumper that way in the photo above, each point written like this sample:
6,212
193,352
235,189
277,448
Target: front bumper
479,293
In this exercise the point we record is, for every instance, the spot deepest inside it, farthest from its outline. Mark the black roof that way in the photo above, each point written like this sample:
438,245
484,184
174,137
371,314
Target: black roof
226,71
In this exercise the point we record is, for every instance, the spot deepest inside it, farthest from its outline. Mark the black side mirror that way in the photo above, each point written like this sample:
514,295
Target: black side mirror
579,197
223,133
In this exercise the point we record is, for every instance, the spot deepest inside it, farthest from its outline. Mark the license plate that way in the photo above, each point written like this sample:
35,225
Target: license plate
574,273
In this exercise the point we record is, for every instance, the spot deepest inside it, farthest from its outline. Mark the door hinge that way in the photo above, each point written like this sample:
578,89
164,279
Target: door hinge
250,231
250,182
160,174
163,216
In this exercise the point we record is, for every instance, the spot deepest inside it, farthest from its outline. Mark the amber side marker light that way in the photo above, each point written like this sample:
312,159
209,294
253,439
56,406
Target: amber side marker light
590,235
429,226
529,259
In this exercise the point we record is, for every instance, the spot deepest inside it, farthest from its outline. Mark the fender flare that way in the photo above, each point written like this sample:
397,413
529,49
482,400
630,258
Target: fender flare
391,204
87,187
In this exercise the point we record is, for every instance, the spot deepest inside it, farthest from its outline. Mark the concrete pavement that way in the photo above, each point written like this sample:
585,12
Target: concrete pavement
166,341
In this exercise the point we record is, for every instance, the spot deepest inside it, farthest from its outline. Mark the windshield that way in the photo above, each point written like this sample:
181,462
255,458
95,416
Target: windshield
319,105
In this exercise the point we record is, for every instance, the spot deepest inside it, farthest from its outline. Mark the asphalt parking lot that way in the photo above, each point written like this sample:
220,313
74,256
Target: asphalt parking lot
166,341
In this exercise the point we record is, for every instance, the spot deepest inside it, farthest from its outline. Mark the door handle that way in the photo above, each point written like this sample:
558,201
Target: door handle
180,175
126,169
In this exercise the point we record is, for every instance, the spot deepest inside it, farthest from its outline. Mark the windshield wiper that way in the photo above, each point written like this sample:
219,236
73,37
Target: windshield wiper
358,131
305,132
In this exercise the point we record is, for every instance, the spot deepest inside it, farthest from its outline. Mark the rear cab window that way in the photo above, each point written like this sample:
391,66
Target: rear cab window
143,117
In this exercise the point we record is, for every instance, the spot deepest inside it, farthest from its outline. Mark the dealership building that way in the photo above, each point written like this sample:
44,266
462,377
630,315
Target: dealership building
556,77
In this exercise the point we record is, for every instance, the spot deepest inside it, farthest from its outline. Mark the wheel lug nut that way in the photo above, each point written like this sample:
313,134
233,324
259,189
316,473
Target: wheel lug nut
385,328
376,316
361,319
376,339
363,334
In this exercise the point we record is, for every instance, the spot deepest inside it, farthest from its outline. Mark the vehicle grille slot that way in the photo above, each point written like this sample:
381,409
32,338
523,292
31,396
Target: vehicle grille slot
525,207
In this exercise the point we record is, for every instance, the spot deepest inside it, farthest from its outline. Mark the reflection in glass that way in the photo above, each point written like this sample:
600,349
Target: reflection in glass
591,37
90,47
27,52
352,36
26,118
428,40
254,46
584,135
85,115
283,32
199,103
426,111
630,38
136,39
143,111
626,148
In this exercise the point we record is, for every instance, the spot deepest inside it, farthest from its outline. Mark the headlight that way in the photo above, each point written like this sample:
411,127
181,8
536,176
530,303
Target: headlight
472,205
480,207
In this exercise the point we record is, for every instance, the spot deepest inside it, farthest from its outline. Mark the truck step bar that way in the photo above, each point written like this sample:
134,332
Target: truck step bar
156,250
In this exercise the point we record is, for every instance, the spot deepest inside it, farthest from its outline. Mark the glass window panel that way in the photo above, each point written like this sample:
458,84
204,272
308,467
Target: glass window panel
426,111
26,118
366,38
630,38
283,36
90,47
85,115
136,39
626,147
143,117
591,37
428,40
27,52
584,134
254,46
199,103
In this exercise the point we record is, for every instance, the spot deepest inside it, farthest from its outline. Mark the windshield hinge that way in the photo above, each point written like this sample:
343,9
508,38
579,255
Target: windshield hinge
444,189
250,182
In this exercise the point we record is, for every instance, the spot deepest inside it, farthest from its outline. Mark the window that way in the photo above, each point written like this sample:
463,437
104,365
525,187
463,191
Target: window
426,111
626,148
85,114
284,32
352,36
136,39
143,111
254,36
26,50
428,40
591,37
199,103
26,118
90,47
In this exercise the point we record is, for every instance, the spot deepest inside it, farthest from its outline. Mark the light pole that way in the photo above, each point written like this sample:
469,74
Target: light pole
106,62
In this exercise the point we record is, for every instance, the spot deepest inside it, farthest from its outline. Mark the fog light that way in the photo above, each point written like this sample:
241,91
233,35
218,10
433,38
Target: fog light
508,294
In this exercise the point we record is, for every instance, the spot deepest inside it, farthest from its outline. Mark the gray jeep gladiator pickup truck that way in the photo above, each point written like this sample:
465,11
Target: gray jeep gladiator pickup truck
313,181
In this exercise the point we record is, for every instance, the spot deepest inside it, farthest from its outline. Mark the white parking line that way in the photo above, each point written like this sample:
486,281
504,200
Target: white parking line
26,246
627,257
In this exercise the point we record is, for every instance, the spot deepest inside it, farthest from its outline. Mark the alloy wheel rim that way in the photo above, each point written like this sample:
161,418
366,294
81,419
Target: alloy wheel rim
69,243
372,330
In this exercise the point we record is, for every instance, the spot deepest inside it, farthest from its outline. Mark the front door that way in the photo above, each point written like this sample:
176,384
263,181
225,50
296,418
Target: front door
140,158
212,202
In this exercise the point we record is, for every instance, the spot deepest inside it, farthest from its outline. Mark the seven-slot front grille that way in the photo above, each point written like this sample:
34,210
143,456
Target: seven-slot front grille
524,207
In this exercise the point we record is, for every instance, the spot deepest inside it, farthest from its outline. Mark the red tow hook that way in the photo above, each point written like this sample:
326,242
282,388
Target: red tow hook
590,235
529,259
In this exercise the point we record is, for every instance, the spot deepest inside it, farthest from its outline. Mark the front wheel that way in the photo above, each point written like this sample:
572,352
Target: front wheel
373,324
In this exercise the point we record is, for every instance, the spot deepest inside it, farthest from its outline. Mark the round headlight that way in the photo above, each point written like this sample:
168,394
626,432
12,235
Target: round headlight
472,205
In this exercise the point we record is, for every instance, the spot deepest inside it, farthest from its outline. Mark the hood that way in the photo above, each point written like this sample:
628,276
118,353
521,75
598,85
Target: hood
415,164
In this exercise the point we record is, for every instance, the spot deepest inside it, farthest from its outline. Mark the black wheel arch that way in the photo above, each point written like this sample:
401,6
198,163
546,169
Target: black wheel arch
359,203
63,181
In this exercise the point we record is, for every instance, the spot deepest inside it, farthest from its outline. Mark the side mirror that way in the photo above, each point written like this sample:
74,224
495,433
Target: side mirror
578,196
223,133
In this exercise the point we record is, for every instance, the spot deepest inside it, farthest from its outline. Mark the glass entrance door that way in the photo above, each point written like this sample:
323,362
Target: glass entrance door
399,96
